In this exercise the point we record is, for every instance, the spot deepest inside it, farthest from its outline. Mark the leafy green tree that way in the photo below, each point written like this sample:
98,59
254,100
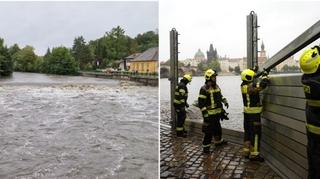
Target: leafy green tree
14,49
231,69
147,40
202,66
116,43
60,61
25,59
6,63
237,69
82,53
133,46
215,65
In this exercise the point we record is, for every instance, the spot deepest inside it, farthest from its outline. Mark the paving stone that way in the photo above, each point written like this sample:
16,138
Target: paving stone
183,158
237,176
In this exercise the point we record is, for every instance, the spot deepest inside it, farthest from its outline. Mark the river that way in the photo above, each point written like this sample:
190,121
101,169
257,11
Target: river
77,127
230,88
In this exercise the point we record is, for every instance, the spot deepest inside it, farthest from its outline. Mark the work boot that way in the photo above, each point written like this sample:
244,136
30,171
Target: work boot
185,131
256,158
181,134
223,142
206,150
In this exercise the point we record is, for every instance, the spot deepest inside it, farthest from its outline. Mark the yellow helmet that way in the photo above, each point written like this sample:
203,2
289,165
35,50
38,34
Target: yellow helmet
188,77
310,60
209,73
247,75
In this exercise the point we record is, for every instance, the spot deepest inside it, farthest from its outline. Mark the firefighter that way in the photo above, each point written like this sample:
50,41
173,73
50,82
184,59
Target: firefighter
250,88
309,63
180,104
210,103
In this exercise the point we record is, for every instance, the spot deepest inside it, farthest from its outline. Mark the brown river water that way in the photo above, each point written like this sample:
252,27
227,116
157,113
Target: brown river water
77,127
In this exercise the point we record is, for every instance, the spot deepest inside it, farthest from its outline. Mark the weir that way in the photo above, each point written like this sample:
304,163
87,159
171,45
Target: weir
146,79
283,119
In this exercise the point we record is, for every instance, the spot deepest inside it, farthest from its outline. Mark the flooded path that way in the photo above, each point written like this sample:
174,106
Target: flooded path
66,128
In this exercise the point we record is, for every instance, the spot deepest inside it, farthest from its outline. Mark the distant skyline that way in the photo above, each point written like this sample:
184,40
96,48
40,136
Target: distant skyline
52,24
223,24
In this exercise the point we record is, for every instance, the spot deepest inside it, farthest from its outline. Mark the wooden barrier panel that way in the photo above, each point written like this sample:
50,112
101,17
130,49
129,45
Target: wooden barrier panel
283,121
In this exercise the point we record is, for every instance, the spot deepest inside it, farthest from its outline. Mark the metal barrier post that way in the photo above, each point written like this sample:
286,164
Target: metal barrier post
252,40
173,71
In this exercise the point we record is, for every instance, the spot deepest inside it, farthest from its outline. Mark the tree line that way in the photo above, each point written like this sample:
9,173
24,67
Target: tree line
100,53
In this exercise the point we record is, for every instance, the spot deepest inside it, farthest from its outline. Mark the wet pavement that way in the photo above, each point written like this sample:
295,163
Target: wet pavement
183,158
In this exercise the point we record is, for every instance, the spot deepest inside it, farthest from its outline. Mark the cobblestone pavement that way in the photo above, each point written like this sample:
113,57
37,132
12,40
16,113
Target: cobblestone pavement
183,158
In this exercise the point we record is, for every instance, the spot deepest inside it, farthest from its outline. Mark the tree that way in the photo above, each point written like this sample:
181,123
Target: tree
60,61
116,43
82,53
147,40
25,59
215,65
237,69
202,66
231,69
285,68
6,63
14,49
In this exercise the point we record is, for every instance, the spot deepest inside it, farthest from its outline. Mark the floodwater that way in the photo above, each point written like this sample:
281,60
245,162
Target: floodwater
230,88
77,127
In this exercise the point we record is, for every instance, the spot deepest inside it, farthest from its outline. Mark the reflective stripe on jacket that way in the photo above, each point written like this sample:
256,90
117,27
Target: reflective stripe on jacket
311,88
210,100
180,95
251,99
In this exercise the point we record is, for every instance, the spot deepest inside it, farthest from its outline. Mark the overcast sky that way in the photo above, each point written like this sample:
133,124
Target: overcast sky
51,24
223,23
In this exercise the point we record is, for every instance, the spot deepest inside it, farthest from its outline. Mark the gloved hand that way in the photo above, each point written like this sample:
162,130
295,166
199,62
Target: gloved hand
265,80
187,105
255,68
225,102
265,73
224,115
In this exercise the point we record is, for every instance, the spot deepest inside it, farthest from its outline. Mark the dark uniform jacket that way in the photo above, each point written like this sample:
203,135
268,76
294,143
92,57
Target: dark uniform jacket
180,96
250,95
210,100
311,86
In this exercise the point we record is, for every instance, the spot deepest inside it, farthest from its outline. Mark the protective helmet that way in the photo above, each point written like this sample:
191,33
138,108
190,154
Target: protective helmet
247,75
209,73
188,77
310,60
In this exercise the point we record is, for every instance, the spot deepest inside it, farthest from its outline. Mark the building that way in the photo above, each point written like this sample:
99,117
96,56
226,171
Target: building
124,64
289,62
146,62
212,54
226,63
199,56
262,57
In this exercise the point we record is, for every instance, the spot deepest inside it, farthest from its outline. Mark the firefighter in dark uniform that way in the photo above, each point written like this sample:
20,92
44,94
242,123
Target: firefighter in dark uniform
309,63
250,88
180,104
210,103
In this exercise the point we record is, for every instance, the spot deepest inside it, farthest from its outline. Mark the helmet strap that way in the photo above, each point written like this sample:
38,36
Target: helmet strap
316,47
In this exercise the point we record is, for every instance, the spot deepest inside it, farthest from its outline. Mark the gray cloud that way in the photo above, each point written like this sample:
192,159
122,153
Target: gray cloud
50,24
223,23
